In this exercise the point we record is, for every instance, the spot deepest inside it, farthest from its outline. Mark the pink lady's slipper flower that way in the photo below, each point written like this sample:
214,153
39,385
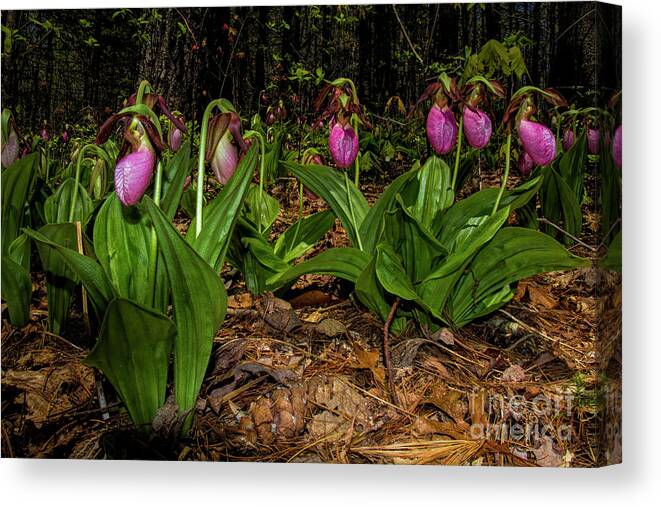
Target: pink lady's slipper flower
44,134
477,127
65,136
538,141
526,164
343,144
225,131
133,175
441,129
568,139
617,146
593,141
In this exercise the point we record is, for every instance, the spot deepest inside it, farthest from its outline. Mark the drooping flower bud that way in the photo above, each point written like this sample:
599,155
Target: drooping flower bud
225,159
526,164
441,129
174,139
10,148
568,139
538,141
617,146
343,144
225,131
477,127
593,141
65,136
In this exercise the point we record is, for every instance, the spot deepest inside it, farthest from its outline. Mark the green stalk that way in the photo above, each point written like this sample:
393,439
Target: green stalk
356,164
456,158
300,211
506,174
200,164
79,161
153,246
353,216
262,169
144,87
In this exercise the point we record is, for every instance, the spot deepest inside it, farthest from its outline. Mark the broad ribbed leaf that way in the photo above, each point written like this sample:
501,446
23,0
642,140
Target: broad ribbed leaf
478,205
572,166
220,216
17,184
57,206
372,295
514,253
302,235
122,238
260,208
174,177
342,196
416,245
60,279
199,301
371,228
433,191
16,291
613,258
610,195
133,352
434,290
345,263
87,270
391,274
560,205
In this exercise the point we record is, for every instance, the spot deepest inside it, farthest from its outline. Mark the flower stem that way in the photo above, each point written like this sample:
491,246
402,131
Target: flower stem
200,163
153,246
300,212
144,87
356,163
262,170
79,163
505,174
457,155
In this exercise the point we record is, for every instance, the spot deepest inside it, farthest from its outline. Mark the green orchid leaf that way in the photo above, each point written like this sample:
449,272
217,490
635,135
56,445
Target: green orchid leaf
90,273
342,196
17,185
612,261
302,235
16,291
133,352
560,205
122,243
345,263
514,253
480,204
57,206
199,301
371,229
61,280
221,214
371,294
175,173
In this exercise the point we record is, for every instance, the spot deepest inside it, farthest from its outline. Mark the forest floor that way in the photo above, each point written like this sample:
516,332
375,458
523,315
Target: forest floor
302,379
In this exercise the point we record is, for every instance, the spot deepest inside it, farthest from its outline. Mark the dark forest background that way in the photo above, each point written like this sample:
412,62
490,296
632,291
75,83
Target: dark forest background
72,66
